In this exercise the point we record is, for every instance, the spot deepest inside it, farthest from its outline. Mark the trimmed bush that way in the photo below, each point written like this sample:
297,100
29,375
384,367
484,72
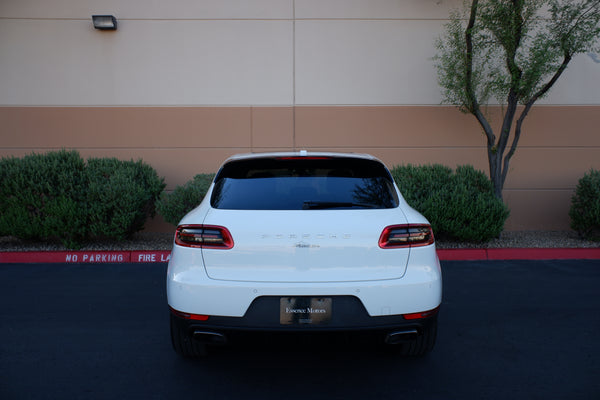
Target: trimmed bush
460,205
173,206
42,197
585,206
58,196
121,196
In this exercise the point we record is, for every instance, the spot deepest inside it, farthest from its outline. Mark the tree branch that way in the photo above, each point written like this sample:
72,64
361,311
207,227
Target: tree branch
525,112
473,103
544,89
516,74
592,7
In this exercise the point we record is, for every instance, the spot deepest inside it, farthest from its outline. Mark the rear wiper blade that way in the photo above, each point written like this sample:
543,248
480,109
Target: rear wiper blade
321,205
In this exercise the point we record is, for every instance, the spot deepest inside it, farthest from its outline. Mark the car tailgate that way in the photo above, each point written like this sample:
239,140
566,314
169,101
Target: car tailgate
305,246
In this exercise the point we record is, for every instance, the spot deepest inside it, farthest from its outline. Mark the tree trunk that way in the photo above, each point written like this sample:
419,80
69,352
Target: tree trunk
496,176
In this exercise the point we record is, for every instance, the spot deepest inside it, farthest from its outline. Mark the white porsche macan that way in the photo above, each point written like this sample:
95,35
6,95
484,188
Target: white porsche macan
303,242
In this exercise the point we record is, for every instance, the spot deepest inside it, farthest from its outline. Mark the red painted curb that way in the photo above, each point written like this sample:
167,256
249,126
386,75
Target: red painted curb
85,257
163,256
519,254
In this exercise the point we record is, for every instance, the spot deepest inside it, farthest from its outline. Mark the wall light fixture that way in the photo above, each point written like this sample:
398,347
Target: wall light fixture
105,22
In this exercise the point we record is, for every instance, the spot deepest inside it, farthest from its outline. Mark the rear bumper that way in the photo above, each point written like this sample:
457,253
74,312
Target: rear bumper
348,316
190,290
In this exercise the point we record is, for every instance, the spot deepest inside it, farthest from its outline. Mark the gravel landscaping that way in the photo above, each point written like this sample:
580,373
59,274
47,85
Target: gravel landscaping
164,241
524,239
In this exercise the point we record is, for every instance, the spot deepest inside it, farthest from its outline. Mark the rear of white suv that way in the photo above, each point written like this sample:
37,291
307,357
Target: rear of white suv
303,242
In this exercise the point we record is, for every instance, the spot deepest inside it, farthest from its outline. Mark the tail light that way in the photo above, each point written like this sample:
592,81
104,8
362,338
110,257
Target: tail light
404,236
203,236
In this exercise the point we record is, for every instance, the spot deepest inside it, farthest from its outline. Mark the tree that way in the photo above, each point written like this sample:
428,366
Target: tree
511,52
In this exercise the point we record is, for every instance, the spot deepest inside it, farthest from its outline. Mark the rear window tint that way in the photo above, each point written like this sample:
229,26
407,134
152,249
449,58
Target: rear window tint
296,183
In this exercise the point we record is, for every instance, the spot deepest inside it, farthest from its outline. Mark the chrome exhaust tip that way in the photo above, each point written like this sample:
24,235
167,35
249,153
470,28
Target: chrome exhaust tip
401,336
209,337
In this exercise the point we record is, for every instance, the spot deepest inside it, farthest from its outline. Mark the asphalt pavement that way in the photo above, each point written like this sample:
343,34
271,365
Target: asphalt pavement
508,329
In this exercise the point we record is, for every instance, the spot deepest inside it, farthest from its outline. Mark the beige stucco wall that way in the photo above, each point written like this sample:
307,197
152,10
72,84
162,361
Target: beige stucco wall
186,83
181,141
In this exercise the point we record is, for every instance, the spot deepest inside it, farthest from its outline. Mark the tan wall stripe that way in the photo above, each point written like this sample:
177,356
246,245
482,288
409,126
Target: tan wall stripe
558,146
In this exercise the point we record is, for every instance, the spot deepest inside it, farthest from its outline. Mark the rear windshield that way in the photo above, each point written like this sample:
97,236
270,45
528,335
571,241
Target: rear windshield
303,183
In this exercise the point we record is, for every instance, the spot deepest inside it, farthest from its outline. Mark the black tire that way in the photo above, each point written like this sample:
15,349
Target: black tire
183,343
423,344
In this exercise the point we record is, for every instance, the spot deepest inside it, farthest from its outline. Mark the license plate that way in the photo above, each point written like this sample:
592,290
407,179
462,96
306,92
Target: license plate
304,310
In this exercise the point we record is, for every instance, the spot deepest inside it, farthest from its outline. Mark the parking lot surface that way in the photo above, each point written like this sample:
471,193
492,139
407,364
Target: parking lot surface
508,329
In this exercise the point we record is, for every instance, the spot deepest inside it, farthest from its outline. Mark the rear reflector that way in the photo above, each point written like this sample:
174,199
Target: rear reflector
203,236
193,317
403,236
421,315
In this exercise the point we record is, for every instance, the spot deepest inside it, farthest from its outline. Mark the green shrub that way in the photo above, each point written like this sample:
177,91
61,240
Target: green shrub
42,196
460,205
585,206
121,196
173,206
58,196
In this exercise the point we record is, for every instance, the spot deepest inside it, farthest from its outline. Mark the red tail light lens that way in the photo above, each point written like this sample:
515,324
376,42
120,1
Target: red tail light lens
404,236
194,317
421,315
203,236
